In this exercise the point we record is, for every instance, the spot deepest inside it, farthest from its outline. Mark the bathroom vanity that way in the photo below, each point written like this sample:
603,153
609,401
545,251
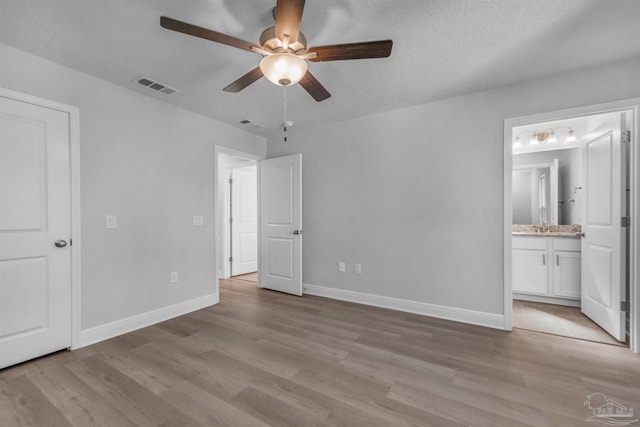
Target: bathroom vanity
546,264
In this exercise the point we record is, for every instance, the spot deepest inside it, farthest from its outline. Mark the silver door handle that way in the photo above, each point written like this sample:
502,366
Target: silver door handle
296,232
60,243
580,234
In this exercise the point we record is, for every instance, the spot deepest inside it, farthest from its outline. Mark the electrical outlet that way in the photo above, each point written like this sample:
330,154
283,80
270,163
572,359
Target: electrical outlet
342,266
111,221
174,277
357,268
198,220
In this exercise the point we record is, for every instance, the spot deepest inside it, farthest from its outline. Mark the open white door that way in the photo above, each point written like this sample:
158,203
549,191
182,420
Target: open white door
603,243
244,225
281,224
35,227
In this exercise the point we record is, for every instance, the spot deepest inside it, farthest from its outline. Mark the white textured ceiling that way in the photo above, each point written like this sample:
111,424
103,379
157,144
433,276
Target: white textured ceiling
441,48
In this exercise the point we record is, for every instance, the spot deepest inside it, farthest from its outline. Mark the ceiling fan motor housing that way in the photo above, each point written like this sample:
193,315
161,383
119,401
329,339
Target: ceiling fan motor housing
269,41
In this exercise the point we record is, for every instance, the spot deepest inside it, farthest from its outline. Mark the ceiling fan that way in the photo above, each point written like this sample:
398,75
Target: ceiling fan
285,51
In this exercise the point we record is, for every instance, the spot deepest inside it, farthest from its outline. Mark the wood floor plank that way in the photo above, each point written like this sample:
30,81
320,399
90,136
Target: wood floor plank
22,403
80,404
209,410
139,404
271,410
455,410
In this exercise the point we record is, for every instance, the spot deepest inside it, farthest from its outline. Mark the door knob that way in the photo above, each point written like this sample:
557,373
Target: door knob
296,232
61,243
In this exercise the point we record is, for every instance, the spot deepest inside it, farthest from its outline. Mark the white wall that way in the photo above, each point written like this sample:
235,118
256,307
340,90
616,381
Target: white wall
415,194
152,165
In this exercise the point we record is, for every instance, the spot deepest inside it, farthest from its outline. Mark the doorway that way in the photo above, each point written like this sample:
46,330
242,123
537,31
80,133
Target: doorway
549,263
237,210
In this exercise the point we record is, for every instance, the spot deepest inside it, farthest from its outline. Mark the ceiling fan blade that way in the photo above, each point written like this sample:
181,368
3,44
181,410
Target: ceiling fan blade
339,52
244,81
204,33
313,86
288,18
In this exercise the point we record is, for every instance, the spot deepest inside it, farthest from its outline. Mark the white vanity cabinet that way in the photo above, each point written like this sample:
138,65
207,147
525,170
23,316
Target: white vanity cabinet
529,265
546,269
566,267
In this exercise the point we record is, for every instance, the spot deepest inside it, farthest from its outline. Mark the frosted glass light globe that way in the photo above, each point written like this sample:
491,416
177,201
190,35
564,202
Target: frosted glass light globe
283,69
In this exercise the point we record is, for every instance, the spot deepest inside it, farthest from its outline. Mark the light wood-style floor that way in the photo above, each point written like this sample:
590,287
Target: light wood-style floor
558,320
261,358
250,277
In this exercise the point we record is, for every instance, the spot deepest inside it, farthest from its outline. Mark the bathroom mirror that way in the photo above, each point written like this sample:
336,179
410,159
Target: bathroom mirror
535,193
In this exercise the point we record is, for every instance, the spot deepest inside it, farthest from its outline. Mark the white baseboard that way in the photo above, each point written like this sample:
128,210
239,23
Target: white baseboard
547,300
473,317
129,324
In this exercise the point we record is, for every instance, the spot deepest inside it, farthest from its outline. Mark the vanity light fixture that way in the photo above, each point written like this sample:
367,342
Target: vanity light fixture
547,136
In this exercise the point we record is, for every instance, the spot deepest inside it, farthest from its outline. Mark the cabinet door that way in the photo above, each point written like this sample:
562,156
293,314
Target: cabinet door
566,274
529,271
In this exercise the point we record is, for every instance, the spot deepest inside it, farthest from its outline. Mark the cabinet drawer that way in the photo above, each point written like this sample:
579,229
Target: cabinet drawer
566,244
520,242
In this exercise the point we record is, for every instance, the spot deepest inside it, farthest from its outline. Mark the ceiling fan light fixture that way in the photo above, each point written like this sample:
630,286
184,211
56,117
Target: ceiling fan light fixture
283,69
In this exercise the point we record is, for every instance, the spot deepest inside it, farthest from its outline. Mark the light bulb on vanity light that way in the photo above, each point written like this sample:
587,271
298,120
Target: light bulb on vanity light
534,139
571,137
517,144
552,138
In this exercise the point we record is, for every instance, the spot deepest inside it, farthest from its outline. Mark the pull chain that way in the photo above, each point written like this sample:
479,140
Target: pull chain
284,123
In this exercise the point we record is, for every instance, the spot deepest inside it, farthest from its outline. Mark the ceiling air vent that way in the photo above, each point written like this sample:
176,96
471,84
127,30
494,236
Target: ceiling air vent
154,85
251,124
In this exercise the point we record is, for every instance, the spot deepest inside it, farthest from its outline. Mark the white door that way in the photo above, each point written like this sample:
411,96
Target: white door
603,244
244,225
281,224
35,213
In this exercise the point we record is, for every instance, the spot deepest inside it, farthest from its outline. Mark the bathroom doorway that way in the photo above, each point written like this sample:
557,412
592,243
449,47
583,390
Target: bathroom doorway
555,274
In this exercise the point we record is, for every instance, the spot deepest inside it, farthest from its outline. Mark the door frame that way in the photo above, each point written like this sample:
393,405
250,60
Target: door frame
219,207
632,104
74,169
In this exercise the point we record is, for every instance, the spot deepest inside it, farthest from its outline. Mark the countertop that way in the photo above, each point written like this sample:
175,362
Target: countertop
539,230
545,234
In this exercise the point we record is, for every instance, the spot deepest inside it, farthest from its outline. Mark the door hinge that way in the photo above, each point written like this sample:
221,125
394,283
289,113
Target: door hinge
230,220
230,181
624,306
70,242
626,137
230,259
625,221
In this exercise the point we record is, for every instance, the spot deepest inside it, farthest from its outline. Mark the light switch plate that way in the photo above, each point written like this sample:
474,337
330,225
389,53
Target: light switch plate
357,268
174,277
342,267
111,221
198,220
